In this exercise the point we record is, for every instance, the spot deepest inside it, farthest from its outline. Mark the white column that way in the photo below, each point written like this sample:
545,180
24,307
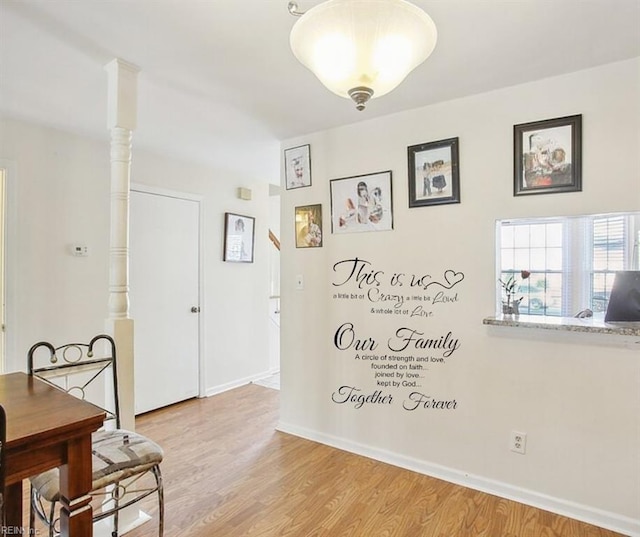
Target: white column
119,240
121,121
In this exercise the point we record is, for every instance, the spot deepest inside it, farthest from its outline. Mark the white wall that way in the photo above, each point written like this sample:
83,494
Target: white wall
61,192
578,403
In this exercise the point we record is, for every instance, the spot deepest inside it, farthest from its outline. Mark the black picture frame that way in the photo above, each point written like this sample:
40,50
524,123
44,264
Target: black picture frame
547,156
239,238
362,203
297,167
434,173
308,226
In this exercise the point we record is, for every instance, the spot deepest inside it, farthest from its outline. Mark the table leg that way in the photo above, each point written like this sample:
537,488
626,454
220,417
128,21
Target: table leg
13,509
76,515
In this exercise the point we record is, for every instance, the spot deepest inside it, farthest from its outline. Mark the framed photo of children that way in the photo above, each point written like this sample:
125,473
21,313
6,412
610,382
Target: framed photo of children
434,173
548,156
361,203
238,238
297,166
309,226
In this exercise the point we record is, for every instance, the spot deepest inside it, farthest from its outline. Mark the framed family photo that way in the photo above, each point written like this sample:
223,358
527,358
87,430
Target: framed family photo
297,166
361,203
548,156
238,238
434,175
309,226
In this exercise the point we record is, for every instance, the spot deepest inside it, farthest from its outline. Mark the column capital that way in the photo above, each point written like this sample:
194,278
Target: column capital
122,94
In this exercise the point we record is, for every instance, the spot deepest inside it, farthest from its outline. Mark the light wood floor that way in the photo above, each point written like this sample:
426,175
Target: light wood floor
228,473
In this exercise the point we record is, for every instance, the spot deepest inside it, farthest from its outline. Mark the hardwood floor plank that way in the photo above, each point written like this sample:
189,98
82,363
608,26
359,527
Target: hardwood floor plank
228,473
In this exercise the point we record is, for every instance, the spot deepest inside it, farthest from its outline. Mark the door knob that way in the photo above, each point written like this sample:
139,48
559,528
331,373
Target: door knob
195,309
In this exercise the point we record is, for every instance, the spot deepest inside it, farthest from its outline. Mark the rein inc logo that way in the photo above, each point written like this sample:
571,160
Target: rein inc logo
18,530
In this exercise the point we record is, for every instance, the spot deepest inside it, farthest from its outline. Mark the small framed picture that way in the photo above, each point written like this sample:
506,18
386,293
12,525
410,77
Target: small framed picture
434,176
297,166
309,226
361,203
238,238
548,156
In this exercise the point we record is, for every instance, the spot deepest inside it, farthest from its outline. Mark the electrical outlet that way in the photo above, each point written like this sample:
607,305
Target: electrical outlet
518,443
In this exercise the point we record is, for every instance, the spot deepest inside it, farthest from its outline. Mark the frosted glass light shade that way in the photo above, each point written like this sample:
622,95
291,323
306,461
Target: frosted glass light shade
363,48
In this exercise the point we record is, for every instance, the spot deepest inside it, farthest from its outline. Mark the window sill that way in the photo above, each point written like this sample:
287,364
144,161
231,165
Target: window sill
565,324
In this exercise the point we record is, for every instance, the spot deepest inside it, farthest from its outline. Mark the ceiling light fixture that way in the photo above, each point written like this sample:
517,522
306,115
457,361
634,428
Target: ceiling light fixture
362,49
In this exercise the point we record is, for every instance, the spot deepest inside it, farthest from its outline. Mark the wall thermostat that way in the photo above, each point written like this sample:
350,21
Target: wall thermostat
79,250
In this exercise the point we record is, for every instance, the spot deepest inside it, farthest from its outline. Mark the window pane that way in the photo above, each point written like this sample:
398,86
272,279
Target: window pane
553,294
554,258
506,236
531,295
609,252
538,259
600,293
521,259
521,236
538,235
554,234
600,258
506,259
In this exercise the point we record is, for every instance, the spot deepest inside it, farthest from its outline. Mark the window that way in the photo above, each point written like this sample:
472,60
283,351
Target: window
572,260
536,247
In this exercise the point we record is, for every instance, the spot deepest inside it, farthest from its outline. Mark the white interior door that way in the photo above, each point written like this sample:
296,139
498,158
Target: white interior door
164,293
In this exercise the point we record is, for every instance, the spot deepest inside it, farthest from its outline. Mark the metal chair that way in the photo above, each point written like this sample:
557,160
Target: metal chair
123,461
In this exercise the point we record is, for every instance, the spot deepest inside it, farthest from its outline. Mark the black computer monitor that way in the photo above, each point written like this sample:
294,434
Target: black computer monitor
624,302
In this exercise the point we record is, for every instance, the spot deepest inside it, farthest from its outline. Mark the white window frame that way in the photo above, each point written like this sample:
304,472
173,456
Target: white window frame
577,257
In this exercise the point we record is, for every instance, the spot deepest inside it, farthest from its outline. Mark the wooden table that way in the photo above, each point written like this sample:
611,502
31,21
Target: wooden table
47,428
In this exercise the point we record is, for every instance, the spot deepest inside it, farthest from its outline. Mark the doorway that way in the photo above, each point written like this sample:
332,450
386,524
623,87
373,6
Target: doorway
165,290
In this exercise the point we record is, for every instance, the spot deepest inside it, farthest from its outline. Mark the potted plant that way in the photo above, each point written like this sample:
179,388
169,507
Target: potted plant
510,305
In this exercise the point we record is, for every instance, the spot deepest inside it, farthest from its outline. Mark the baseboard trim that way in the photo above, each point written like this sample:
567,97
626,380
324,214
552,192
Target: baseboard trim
215,390
590,515
132,520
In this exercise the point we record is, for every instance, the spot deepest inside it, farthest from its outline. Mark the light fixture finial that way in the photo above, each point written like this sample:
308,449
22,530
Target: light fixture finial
360,96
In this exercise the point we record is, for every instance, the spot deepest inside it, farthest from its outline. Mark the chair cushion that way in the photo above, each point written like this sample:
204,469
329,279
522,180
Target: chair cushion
115,455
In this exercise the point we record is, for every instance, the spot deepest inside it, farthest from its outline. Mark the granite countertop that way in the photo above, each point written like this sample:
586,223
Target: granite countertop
565,324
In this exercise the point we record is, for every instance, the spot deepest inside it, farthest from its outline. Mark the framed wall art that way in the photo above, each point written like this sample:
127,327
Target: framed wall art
548,156
434,176
309,226
297,166
238,238
362,203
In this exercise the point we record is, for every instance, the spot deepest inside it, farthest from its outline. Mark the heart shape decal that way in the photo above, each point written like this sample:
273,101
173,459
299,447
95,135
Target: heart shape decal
452,277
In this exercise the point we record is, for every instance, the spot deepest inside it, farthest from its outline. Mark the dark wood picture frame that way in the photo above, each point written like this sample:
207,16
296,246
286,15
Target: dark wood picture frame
239,238
547,156
434,173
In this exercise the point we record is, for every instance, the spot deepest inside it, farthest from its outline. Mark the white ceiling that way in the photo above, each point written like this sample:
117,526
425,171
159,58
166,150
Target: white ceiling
218,75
